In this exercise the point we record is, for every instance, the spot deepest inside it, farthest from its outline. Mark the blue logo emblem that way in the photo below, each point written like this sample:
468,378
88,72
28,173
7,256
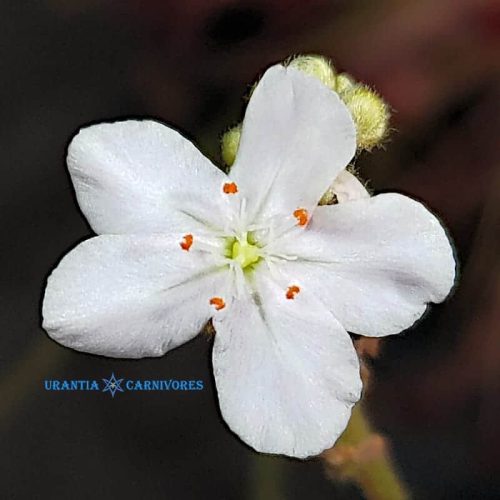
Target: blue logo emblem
113,385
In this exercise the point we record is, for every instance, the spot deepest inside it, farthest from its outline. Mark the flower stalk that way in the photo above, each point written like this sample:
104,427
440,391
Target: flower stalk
362,456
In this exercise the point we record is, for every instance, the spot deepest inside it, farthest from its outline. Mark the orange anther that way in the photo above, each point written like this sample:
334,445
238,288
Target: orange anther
292,291
302,216
187,241
218,303
230,188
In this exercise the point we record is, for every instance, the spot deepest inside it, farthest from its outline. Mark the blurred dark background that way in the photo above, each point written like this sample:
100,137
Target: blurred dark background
435,390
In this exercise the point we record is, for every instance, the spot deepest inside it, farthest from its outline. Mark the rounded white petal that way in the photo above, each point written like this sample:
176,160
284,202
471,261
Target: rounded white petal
376,263
134,176
297,136
130,296
286,371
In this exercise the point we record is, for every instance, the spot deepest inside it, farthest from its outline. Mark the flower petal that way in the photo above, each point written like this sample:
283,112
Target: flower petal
376,263
286,371
130,296
132,176
297,136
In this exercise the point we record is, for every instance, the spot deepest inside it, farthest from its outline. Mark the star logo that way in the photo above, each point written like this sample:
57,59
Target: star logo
112,385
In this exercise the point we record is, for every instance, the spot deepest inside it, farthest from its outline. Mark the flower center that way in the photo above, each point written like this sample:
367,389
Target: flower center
243,252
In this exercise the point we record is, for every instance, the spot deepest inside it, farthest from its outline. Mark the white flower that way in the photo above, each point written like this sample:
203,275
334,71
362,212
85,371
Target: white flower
283,280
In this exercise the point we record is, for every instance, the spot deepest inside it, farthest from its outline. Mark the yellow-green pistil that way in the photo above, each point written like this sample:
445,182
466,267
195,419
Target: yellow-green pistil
244,252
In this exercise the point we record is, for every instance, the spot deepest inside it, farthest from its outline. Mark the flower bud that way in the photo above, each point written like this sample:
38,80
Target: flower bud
370,114
316,66
343,83
229,144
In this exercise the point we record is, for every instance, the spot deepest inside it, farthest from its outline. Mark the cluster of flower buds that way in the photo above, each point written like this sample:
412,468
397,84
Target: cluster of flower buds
369,111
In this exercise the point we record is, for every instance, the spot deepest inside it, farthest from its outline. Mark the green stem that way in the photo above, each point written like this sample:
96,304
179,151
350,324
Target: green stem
267,478
377,477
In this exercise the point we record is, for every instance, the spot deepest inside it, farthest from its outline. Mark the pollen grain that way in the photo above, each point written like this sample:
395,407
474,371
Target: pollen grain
292,292
302,216
218,303
230,188
187,241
